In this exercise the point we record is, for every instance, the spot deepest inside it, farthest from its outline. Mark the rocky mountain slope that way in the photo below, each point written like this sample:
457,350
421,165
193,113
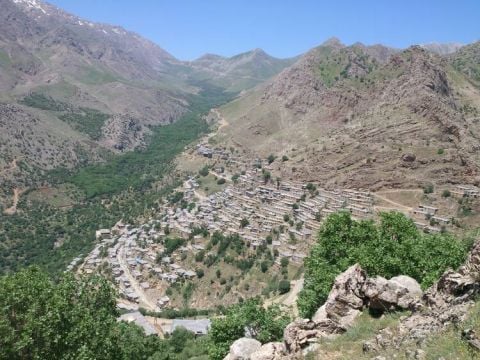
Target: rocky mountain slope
361,116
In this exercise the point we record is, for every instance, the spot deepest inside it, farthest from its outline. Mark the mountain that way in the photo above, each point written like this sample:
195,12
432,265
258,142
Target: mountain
442,48
239,72
73,92
365,117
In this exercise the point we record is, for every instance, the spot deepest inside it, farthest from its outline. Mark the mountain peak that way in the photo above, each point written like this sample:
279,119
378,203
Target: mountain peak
32,4
334,42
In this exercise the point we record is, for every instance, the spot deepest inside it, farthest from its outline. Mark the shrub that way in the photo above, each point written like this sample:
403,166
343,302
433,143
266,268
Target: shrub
244,222
221,181
283,286
270,159
446,193
264,266
204,171
393,247
440,151
263,324
284,158
428,189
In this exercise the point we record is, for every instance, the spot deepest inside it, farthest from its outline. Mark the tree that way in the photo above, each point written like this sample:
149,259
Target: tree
70,319
283,286
270,159
264,266
263,324
204,171
284,262
390,248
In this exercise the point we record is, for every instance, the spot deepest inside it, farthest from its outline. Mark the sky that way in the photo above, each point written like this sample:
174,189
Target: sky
283,28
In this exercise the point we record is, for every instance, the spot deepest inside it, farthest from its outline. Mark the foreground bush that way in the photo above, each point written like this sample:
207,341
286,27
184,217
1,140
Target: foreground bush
393,247
250,318
76,319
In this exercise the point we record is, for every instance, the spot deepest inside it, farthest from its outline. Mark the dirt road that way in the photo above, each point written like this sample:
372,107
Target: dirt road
16,197
143,298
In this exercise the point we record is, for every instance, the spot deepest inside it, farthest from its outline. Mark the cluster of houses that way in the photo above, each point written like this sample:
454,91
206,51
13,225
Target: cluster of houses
281,215
290,212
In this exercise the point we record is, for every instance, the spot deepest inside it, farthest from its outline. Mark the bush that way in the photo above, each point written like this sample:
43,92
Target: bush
270,159
428,189
221,181
200,273
393,247
284,286
204,171
446,193
264,266
284,158
265,325
440,151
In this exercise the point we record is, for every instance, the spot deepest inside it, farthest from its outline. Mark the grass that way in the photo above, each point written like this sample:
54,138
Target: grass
350,344
208,185
4,59
88,121
44,102
93,76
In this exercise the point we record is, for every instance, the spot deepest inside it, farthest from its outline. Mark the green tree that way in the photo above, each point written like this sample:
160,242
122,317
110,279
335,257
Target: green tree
69,319
265,325
393,247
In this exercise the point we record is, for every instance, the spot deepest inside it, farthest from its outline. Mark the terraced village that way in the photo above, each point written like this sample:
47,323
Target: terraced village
237,212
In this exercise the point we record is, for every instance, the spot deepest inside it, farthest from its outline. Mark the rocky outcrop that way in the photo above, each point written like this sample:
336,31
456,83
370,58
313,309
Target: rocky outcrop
446,302
352,292
242,348
388,295
346,299
270,351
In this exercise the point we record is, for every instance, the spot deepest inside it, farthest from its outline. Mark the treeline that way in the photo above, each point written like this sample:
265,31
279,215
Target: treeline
392,247
77,319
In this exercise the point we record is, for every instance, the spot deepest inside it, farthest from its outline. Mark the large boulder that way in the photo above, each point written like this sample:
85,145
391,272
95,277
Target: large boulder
401,292
409,283
243,348
270,351
346,300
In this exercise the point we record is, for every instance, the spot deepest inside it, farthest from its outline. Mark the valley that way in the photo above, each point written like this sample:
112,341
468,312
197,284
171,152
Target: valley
320,206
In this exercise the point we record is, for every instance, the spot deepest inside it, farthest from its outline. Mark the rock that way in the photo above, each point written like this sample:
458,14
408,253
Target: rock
401,292
301,333
242,348
409,283
270,351
346,300
409,157
420,354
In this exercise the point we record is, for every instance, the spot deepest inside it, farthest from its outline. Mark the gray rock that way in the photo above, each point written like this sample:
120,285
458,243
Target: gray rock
346,299
409,283
242,348
270,351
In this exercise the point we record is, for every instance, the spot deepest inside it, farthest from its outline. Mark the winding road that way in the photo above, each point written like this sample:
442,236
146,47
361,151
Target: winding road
143,298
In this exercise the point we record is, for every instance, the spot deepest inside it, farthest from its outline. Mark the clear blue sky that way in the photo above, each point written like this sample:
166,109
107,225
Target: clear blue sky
283,28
